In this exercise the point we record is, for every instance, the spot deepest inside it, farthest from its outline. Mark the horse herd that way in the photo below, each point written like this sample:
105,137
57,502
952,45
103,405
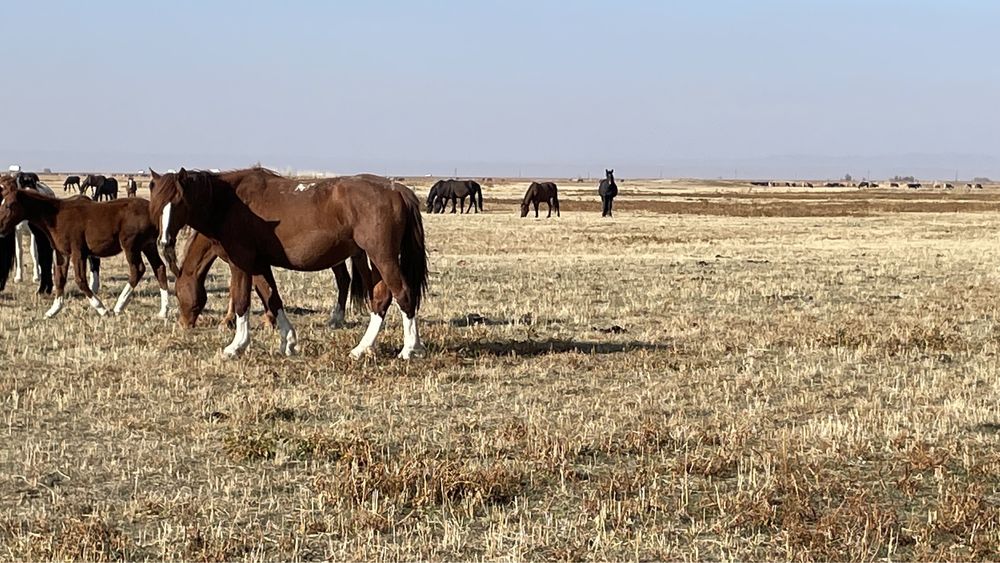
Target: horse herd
101,187
252,219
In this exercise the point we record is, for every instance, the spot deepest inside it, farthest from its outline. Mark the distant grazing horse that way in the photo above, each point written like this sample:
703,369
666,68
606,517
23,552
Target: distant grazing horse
444,190
107,191
201,253
131,187
80,228
260,219
608,190
71,182
92,181
539,192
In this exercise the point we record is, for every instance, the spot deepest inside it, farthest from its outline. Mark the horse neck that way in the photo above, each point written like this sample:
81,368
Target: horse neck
40,209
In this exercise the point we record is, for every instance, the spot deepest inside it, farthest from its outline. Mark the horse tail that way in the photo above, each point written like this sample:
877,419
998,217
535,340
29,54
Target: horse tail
479,194
45,253
359,289
7,243
413,252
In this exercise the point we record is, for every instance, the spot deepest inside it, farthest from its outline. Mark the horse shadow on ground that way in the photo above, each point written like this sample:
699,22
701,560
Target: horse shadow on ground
535,348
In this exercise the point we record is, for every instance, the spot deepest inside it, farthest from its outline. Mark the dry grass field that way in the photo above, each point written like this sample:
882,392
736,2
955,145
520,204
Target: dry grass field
716,373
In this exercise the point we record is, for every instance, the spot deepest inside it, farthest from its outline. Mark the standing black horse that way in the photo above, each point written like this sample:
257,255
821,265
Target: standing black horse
444,190
71,182
108,190
608,190
131,187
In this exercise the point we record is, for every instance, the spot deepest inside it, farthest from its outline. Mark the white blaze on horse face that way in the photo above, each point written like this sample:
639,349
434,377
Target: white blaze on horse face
164,303
289,342
57,305
123,298
242,337
412,346
374,325
98,306
165,224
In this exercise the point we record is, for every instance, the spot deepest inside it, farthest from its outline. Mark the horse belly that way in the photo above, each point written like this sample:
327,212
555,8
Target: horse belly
317,251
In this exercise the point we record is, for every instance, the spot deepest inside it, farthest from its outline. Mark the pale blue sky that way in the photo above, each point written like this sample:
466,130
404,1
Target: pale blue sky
694,88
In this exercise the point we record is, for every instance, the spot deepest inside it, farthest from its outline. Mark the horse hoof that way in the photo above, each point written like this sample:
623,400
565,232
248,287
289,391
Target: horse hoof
231,353
358,354
414,353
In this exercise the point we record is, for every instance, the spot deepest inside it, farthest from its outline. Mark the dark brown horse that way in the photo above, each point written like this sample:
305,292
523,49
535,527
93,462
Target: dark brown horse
92,181
79,229
539,192
71,182
131,187
260,219
201,253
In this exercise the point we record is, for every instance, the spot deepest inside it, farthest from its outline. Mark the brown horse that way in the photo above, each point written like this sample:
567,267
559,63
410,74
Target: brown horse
260,219
539,192
79,229
201,253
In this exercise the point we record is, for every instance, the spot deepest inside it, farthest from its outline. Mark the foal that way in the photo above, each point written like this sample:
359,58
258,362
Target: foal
201,253
79,229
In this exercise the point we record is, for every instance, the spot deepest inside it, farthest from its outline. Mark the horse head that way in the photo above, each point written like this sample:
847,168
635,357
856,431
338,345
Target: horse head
11,210
610,175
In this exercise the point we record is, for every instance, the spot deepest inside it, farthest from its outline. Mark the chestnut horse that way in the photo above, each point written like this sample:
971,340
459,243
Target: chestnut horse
201,253
539,192
79,229
261,219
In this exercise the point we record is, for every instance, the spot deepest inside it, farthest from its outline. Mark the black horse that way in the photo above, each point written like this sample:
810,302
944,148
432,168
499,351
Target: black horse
131,187
92,181
108,190
27,180
444,190
539,192
71,181
608,190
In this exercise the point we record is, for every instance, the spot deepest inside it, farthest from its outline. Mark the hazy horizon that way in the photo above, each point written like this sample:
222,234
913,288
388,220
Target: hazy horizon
715,89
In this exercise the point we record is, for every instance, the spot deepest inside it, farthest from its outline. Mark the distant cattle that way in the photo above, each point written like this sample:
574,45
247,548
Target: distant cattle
949,187
913,185
863,184
758,183
834,185
979,186
893,184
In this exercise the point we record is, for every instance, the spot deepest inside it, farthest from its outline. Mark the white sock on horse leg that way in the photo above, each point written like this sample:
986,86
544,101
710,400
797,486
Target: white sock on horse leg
242,337
34,259
95,281
164,303
412,346
57,305
18,254
124,298
289,342
374,325
95,302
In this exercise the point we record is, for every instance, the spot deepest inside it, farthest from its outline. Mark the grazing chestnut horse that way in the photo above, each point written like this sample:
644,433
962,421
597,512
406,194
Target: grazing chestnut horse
539,192
201,253
260,219
79,229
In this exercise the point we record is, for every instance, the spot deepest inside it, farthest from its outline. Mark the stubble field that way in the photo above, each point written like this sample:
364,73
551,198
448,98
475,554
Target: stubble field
715,373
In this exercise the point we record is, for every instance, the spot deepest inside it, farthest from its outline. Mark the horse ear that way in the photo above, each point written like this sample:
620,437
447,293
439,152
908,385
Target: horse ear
153,174
182,175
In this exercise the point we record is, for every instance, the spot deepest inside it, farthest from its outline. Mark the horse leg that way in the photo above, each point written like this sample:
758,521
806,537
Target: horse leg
343,280
555,200
388,267
160,271
18,254
454,201
136,269
79,272
239,292
263,289
535,203
61,273
379,305
550,208
611,203
289,341
95,273
36,267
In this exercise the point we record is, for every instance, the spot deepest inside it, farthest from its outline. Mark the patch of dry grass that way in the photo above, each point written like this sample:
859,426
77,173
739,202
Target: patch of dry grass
657,386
